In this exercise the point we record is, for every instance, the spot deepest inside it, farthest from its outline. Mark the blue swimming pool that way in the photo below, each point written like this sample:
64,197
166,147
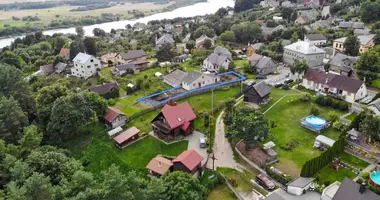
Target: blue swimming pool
375,178
314,122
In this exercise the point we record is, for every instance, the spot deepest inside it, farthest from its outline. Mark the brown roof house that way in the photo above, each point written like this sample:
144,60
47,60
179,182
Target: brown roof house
107,90
65,53
112,59
257,93
114,118
159,166
339,86
46,70
133,55
188,161
174,120
126,137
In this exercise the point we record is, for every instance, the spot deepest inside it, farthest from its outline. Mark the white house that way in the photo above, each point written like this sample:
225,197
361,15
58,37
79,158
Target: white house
302,50
196,80
85,66
221,58
315,39
339,86
299,185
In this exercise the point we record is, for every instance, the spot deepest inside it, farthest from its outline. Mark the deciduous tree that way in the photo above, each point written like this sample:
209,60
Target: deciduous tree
180,185
12,120
352,45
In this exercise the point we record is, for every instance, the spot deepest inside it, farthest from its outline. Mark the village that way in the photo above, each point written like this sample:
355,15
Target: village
279,101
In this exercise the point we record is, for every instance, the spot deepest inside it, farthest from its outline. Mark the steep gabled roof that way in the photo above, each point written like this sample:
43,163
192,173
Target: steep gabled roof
111,114
349,190
190,158
262,89
166,38
64,52
177,115
159,165
133,54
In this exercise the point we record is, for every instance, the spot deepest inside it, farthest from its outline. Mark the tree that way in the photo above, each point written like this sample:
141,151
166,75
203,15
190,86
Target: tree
286,13
333,116
352,45
376,39
228,36
99,32
294,16
165,53
113,31
249,125
247,32
90,45
58,44
204,30
76,47
221,12
80,31
12,120
31,139
294,37
207,44
243,5
370,127
190,45
11,58
228,117
180,185
326,67
369,11
300,67
38,187
314,110
368,65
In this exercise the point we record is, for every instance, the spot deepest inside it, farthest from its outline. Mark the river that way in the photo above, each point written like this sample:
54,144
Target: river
209,7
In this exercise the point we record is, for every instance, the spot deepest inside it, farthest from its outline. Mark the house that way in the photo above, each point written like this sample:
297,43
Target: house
188,161
85,66
104,89
267,31
375,107
65,53
351,190
126,137
175,78
320,24
199,41
262,65
339,86
366,43
316,39
133,55
302,20
365,31
302,50
114,118
182,58
306,16
221,58
299,185
159,166
251,48
46,70
164,39
257,93
196,80
174,120
329,53
343,64
111,59
60,68
129,68
353,25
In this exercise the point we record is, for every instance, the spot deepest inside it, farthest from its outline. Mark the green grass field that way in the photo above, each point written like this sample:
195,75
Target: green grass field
351,117
221,192
330,175
354,161
375,83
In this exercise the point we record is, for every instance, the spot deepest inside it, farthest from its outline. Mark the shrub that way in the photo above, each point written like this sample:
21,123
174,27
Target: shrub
360,181
319,100
333,116
285,87
305,98
338,125
327,101
335,104
343,106
365,175
314,110
300,87
282,178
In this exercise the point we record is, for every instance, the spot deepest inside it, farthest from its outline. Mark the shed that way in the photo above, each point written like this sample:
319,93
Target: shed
353,134
127,137
115,131
257,94
159,165
158,74
188,161
322,140
269,145
299,185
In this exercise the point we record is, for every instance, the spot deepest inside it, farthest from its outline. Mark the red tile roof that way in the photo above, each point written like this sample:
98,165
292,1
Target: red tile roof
190,158
111,114
126,135
64,52
179,114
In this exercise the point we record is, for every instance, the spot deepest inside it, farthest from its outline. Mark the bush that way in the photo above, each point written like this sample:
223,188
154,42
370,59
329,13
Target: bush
305,98
314,110
285,87
327,101
343,106
319,100
338,125
335,104
360,181
365,175
333,116
282,178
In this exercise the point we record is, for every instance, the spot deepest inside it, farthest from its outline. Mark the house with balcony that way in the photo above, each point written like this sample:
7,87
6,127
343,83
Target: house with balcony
338,86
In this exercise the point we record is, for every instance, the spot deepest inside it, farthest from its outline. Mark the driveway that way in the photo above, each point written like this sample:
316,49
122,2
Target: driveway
283,73
222,148
194,145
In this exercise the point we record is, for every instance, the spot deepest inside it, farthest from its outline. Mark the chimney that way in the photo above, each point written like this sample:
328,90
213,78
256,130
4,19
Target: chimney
362,188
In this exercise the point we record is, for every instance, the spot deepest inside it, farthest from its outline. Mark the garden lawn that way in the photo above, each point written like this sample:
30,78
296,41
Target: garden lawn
351,117
102,153
375,83
221,192
143,122
354,161
241,63
277,94
330,175
287,116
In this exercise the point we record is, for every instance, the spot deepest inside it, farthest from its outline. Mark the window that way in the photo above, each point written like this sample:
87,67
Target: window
92,60
96,65
81,66
89,66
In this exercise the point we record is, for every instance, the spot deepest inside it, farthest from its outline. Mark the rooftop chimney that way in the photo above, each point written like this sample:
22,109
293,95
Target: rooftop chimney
362,188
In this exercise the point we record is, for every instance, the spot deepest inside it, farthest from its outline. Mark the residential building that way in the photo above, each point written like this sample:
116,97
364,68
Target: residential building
221,58
350,190
129,68
303,51
134,55
114,118
251,48
104,89
329,53
267,31
182,58
175,78
46,70
299,185
320,24
196,80
188,161
257,93
262,65
375,107
174,120
111,59
302,20
85,66
343,64
60,68
339,86
164,39
127,137
159,166
353,25
365,31
366,43
306,16
65,53
199,41
316,39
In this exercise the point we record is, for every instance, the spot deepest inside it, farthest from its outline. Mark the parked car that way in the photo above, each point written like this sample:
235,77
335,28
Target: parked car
260,77
202,143
264,181
278,85
287,81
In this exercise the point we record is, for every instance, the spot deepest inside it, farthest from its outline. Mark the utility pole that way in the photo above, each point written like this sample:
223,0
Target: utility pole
213,161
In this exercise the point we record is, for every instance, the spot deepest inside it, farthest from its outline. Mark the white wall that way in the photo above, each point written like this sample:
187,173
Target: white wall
204,80
362,92
118,121
86,70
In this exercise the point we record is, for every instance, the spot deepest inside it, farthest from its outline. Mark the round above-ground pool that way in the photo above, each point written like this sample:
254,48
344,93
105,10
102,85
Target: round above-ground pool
315,122
375,179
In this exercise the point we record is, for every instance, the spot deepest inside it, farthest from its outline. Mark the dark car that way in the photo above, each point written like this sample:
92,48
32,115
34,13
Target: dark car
278,85
287,81
264,181
260,77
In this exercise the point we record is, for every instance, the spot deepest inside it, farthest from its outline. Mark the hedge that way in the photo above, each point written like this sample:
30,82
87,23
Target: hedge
330,102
